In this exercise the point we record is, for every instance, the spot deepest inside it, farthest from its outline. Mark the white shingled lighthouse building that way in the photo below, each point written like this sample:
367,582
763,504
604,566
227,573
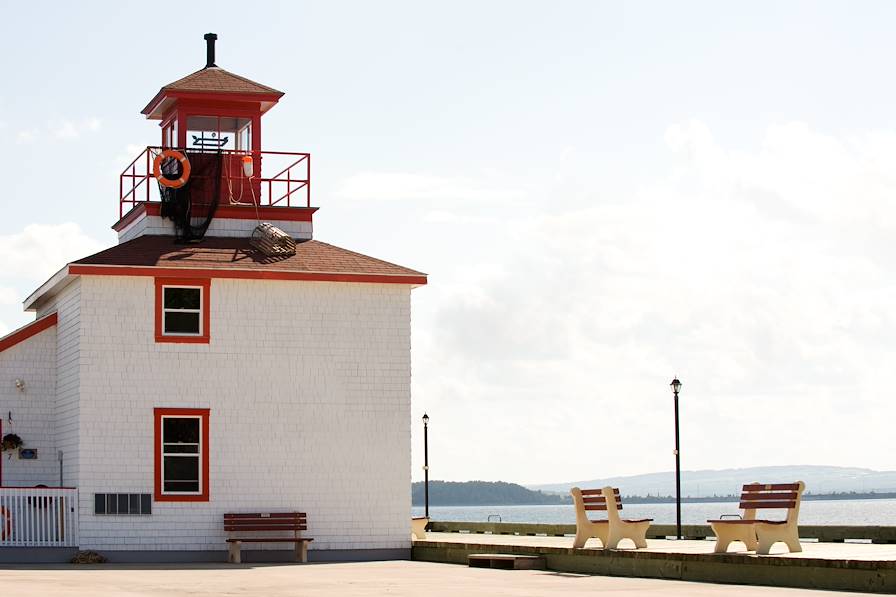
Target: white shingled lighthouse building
217,360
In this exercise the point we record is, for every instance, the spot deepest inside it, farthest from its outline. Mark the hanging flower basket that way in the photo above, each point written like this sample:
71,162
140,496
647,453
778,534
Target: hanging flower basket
11,441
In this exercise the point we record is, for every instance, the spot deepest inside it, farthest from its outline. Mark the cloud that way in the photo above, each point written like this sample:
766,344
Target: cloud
40,250
60,129
765,278
30,257
404,186
27,136
8,296
69,129
128,155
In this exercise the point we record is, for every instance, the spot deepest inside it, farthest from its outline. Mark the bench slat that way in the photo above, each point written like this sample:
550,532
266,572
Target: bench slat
740,521
270,540
266,521
275,515
770,496
781,505
598,491
593,499
265,528
278,521
771,487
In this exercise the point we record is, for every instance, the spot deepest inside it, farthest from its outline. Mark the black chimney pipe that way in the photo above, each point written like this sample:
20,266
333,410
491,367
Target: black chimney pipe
210,49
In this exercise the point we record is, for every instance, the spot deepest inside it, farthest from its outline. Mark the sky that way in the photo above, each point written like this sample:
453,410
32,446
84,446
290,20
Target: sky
604,195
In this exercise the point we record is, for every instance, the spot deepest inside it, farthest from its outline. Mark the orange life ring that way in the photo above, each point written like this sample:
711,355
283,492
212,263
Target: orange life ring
5,523
173,183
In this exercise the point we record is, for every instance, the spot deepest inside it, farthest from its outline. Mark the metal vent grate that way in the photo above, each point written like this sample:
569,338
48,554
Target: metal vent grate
122,503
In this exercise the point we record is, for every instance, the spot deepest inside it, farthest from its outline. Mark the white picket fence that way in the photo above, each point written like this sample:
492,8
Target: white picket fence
38,517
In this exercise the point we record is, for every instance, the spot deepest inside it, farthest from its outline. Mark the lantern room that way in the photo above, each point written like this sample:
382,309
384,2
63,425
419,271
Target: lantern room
210,174
212,109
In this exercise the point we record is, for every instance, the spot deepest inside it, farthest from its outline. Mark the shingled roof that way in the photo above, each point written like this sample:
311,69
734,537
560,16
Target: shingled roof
212,79
217,80
237,254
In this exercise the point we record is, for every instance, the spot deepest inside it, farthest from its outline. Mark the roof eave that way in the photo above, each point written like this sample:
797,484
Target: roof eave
153,109
57,280
156,100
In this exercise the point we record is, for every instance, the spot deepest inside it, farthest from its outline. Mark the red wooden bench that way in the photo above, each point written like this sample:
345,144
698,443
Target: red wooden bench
761,534
291,522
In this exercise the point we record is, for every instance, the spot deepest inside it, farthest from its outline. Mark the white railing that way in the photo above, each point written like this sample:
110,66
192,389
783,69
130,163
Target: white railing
38,517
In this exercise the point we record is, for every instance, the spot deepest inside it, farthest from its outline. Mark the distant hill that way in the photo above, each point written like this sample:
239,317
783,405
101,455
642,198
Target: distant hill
481,493
705,483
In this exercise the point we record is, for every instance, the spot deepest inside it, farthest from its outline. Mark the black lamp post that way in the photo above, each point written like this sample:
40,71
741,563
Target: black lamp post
426,464
676,386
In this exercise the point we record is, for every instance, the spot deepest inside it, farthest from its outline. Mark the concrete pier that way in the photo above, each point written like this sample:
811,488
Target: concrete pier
835,566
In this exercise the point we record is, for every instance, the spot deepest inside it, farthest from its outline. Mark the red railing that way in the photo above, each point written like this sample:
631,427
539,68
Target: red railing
289,187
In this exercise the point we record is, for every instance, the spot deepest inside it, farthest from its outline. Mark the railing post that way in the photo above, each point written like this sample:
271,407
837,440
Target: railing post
147,175
133,193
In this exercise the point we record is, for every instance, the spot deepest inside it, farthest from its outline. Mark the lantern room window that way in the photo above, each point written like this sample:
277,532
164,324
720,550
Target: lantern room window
211,133
182,310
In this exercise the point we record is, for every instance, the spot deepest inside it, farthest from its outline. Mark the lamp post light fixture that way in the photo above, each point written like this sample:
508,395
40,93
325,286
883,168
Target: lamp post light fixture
426,465
676,386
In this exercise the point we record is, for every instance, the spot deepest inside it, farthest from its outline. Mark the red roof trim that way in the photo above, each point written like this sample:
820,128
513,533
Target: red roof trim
241,274
230,96
23,333
230,212
237,96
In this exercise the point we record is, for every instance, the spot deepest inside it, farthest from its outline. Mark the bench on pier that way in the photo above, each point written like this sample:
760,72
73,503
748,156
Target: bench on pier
418,527
761,534
612,530
251,523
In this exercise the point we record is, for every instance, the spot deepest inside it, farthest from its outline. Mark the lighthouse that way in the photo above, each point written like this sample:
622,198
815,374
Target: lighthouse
210,165
217,363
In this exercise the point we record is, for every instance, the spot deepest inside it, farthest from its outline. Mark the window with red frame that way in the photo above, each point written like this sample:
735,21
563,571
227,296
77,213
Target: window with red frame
182,310
182,458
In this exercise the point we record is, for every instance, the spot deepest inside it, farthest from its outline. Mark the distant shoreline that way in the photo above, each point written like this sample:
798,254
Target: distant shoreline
635,499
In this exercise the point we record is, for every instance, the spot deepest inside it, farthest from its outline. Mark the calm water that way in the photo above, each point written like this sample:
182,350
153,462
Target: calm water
846,512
